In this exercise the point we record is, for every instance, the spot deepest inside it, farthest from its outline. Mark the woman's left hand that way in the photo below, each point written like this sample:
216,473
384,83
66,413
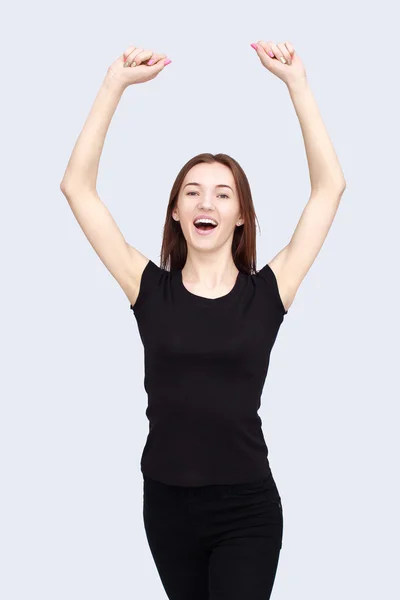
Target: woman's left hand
291,71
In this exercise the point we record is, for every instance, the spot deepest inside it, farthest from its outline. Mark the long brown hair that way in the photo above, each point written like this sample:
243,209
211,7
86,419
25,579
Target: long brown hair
174,246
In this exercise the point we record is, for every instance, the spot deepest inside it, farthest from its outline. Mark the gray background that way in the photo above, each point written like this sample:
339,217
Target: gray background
72,422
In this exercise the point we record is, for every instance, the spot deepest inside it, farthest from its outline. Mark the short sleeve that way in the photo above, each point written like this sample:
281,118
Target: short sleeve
150,280
268,276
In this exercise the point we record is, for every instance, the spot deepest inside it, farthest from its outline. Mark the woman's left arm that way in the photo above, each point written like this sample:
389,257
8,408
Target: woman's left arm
323,164
328,184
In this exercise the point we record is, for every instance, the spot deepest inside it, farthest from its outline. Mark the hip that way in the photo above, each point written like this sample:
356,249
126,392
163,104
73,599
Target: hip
262,490
208,512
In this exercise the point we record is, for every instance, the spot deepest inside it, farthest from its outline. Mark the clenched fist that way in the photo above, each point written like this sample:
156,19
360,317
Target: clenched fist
281,60
137,65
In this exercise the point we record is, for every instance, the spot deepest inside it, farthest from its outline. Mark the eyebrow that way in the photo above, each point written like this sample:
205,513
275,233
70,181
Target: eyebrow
220,185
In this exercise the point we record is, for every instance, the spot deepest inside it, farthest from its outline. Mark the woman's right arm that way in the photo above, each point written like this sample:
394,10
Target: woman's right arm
124,262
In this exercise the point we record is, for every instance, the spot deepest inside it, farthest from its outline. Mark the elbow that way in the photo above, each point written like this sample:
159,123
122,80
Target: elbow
340,185
68,186
64,185
71,185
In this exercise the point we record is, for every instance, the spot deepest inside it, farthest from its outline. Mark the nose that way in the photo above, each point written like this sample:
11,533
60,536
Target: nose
206,203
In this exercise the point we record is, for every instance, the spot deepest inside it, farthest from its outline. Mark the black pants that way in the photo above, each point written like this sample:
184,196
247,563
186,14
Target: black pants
215,542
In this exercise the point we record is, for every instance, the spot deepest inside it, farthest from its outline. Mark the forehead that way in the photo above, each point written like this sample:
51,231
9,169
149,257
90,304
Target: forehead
210,174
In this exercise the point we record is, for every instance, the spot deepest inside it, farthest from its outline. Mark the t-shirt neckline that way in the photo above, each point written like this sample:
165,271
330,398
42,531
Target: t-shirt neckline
203,299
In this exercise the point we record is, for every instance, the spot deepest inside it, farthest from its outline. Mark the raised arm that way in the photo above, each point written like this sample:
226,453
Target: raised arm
124,262
328,184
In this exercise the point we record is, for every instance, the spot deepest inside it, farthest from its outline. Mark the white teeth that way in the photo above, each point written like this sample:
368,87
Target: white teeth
206,221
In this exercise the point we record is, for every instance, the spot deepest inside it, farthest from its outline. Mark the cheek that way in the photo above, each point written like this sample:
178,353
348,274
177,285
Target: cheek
229,220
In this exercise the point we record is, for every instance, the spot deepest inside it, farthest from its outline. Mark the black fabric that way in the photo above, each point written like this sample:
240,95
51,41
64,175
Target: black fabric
205,364
219,542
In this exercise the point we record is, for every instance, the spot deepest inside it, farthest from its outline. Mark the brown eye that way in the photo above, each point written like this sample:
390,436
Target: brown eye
226,196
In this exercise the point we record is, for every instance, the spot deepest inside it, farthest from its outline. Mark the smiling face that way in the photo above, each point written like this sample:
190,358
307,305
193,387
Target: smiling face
214,196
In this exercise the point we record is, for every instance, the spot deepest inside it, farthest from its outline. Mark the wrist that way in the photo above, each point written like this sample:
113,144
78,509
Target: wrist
298,84
112,83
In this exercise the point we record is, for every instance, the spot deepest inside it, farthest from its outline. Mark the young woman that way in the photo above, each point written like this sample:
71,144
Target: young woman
212,511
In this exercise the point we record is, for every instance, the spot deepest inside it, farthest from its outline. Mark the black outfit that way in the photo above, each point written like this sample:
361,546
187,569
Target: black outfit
212,511
205,366
214,542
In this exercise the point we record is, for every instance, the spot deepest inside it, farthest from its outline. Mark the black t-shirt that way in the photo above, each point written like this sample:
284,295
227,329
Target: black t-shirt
205,364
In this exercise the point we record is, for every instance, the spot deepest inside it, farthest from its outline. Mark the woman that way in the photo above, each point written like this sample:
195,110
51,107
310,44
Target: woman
212,511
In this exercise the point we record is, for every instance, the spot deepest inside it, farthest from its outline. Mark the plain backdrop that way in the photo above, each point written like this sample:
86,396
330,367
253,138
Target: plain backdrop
72,422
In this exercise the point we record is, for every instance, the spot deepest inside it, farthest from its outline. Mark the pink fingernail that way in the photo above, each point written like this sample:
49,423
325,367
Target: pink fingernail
271,54
151,61
254,46
167,62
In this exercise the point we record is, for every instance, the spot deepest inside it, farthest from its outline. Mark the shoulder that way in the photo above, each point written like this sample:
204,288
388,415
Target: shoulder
269,278
148,280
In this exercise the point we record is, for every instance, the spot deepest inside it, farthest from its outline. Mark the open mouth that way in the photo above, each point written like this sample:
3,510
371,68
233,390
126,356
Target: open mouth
205,228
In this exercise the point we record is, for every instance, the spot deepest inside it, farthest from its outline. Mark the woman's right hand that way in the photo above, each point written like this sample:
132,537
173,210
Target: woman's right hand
126,73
